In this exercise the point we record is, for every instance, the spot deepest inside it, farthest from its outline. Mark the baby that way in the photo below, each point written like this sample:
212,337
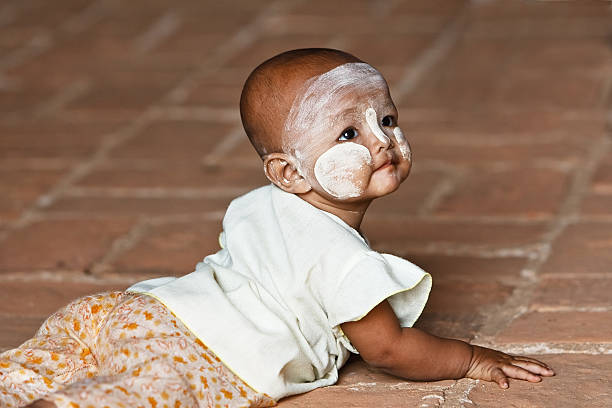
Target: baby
295,287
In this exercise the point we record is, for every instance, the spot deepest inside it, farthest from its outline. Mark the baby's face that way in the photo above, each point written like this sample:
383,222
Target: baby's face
342,129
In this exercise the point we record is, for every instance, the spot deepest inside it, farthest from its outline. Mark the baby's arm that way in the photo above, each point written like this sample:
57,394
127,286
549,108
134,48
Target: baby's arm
413,354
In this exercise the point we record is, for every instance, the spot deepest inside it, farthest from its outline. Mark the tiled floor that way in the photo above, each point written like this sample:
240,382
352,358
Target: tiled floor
121,145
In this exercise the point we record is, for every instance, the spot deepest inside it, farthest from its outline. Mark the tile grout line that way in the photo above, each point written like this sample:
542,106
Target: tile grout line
416,71
200,113
153,219
88,17
36,164
565,309
233,139
166,25
69,93
577,275
481,219
472,250
543,348
441,190
155,192
8,14
36,46
119,246
70,275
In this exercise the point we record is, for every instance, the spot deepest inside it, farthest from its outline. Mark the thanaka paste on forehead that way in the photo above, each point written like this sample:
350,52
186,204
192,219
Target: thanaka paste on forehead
372,120
320,92
335,169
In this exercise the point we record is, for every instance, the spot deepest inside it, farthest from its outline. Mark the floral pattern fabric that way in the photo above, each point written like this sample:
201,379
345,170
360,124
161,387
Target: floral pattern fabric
119,350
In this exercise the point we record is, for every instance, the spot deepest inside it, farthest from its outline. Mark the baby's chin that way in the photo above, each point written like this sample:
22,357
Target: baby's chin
375,189
383,189
386,181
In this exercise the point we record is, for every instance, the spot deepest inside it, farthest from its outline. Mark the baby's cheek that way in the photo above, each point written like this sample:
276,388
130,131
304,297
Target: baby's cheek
344,170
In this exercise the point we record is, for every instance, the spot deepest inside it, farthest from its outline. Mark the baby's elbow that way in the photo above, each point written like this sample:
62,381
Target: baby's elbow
383,358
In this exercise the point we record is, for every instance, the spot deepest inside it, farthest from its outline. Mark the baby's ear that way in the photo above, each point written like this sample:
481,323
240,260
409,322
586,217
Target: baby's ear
281,170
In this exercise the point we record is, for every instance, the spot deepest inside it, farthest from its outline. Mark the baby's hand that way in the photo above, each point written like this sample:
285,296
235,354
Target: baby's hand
491,365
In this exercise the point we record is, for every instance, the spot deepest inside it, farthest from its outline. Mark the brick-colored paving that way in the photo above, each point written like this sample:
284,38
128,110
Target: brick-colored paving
120,147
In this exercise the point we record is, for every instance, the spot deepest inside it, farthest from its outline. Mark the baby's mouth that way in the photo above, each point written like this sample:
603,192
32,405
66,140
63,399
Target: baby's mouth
385,164
388,159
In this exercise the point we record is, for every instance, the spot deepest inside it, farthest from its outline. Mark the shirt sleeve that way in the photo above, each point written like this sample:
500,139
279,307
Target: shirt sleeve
372,278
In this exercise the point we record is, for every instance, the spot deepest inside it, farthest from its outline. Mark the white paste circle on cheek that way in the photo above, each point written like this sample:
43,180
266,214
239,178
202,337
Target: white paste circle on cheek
372,120
402,143
338,170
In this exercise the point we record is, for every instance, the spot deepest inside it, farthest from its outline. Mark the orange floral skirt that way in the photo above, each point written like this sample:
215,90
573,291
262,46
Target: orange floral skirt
119,350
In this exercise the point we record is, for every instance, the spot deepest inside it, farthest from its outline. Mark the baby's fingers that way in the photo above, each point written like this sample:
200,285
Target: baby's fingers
533,360
498,376
520,373
535,367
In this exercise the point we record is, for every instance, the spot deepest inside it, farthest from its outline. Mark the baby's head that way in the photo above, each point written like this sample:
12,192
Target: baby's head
325,126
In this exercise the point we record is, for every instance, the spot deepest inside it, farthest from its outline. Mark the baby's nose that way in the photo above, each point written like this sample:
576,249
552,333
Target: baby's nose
374,125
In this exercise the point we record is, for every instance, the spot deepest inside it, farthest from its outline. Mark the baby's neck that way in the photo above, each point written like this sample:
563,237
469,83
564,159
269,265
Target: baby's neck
351,213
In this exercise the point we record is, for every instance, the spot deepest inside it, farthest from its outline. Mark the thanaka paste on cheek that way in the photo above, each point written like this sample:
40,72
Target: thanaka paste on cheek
338,170
372,120
401,142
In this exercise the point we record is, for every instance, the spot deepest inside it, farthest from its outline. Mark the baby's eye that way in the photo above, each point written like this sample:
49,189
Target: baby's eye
348,134
388,121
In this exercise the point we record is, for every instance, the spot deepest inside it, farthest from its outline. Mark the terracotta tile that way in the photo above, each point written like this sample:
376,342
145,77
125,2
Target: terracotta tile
559,293
17,329
176,140
19,189
171,249
581,248
400,234
172,175
528,191
59,244
40,299
561,327
132,207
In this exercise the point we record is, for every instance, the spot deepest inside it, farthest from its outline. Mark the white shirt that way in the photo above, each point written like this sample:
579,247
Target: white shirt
270,302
